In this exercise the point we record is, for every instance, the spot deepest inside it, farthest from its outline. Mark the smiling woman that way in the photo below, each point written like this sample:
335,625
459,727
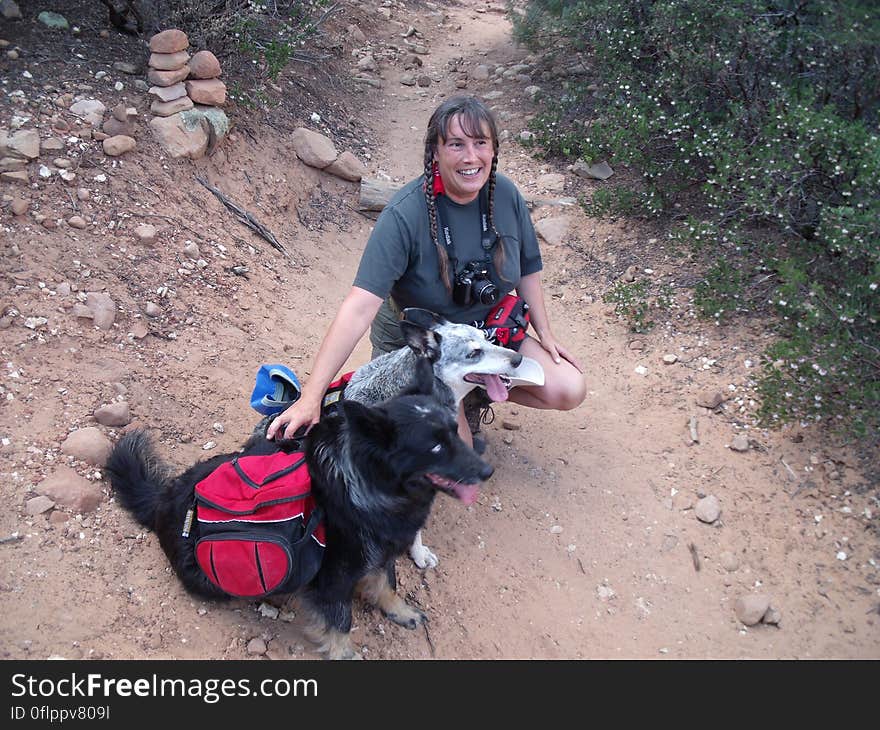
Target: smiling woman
455,241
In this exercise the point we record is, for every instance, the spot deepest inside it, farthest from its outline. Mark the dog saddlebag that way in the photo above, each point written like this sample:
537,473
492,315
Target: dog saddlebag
260,531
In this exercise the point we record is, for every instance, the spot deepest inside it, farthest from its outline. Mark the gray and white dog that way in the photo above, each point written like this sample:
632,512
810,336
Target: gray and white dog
462,358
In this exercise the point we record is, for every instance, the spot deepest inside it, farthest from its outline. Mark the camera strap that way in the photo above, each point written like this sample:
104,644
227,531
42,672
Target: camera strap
487,240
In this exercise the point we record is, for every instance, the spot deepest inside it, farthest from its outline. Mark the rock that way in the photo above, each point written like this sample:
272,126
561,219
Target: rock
740,443
481,72
90,110
146,234
9,10
55,21
347,166
772,616
204,65
103,309
510,425
168,61
191,250
729,561
118,145
65,487
708,509
599,171
113,414
256,647
710,399
23,144
367,63
670,359
167,108
76,221
19,206
82,311
211,92
139,330
169,41
38,505
53,144
151,309
181,136
423,80
552,182
167,78
113,127
312,148
169,93
132,69
750,609
553,230
83,193
408,79
8,164
88,444
19,176
355,34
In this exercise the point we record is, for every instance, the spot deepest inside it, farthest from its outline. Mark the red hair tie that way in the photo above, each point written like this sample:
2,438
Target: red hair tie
438,181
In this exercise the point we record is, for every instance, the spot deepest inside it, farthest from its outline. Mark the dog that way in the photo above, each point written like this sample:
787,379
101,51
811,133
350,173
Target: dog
462,358
375,471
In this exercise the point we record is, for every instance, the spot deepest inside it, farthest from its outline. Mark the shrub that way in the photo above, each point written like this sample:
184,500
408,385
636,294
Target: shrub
759,120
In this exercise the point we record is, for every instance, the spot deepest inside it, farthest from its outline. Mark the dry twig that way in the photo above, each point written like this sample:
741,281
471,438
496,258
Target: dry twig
245,217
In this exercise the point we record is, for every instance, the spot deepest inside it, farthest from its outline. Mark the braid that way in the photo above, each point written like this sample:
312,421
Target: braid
498,256
430,199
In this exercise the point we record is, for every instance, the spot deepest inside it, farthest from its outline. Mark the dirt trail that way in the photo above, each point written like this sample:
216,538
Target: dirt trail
584,544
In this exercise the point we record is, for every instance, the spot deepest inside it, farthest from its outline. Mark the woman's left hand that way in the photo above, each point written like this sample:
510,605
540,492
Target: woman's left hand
558,352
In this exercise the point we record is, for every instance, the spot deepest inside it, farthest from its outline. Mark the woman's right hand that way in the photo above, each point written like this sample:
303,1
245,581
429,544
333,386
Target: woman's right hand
295,416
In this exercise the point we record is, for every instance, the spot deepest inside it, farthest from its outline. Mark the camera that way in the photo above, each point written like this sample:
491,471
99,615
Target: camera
473,286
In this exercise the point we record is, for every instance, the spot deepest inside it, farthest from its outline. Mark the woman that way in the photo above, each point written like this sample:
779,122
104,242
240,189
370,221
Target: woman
447,242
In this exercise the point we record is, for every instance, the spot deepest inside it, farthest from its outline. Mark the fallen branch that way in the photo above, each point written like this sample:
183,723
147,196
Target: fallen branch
245,217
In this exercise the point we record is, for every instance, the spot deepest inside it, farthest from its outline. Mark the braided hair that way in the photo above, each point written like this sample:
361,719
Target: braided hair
474,118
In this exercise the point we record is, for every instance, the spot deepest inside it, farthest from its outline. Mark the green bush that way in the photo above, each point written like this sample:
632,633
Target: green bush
269,32
758,120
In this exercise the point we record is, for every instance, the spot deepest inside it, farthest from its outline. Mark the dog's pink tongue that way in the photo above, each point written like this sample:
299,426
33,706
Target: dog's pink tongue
467,493
495,388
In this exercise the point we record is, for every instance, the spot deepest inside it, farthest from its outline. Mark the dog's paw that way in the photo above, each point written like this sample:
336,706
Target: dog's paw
407,616
423,557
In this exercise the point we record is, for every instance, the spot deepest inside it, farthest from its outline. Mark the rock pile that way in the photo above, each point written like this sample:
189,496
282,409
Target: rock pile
168,68
187,90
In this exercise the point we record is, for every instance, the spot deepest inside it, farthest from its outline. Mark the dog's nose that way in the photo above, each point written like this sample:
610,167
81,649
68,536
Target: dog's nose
517,359
487,471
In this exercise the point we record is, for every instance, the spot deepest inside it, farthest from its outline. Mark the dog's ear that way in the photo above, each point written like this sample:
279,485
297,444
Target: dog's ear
424,318
423,342
422,382
370,423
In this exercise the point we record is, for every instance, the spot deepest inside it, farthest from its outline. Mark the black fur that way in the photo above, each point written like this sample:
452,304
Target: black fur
370,470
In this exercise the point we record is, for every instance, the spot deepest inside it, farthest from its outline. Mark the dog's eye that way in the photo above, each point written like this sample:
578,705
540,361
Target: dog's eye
473,354
436,448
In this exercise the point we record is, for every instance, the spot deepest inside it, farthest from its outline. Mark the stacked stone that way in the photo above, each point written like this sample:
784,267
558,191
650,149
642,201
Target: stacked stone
203,85
168,69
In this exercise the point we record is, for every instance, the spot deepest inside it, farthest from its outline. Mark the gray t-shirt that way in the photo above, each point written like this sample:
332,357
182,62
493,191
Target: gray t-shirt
400,259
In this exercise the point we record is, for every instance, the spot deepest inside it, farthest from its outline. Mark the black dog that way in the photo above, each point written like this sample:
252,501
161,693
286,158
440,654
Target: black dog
374,470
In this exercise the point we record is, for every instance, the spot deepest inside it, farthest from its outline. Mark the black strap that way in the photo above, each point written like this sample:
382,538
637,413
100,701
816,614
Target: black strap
271,477
487,238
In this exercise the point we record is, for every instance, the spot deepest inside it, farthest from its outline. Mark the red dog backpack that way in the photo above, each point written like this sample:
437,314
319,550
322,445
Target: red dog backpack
260,531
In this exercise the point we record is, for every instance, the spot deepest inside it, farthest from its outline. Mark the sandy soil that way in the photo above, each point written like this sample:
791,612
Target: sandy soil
585,543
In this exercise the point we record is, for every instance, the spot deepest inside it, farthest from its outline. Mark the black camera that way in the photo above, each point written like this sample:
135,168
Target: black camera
473,286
